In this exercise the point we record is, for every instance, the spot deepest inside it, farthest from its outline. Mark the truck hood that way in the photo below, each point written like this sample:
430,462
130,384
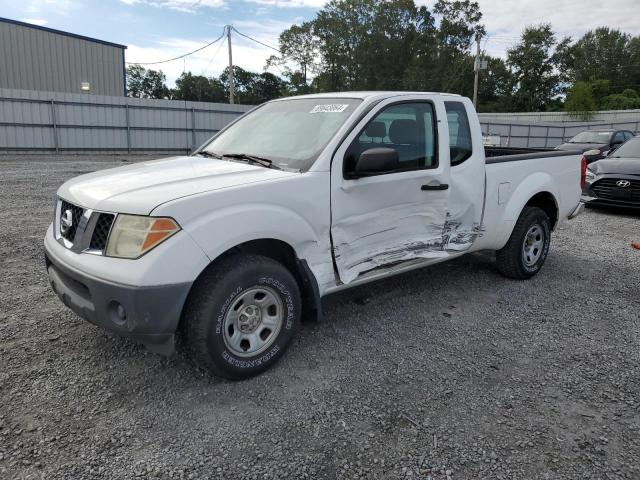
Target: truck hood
141,187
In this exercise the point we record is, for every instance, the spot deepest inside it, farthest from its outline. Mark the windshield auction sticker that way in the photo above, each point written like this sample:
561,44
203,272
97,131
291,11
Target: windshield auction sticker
330,108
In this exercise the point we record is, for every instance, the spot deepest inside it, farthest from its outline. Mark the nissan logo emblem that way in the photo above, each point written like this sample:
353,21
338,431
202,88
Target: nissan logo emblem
66,221
623,183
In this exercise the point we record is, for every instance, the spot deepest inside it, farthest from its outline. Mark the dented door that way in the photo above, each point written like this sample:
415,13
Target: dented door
394,216
388,219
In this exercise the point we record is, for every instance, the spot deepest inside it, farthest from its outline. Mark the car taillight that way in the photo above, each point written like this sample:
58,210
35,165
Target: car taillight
583,172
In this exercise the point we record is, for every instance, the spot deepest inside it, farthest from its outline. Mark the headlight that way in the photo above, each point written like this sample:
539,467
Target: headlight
132,235
590,175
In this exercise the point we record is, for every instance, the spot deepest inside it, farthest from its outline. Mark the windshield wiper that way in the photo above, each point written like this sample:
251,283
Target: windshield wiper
205,153
265,162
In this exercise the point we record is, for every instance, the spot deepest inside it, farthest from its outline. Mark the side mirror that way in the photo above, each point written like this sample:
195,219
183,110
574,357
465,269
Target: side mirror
616,143
376,160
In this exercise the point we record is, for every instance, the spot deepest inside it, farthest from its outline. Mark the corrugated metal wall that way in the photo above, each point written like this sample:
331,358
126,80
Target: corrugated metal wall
65,122
541,135
604,116
33,58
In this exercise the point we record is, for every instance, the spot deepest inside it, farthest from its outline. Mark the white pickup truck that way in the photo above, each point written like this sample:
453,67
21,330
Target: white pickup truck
298,198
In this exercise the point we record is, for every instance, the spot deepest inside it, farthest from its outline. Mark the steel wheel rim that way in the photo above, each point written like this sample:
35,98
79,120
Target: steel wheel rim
533,245
252,321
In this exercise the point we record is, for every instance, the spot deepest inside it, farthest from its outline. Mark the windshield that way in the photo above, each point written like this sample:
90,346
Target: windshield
591,137
630,149
290,133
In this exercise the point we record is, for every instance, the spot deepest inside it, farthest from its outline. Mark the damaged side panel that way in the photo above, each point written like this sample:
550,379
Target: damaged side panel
399,234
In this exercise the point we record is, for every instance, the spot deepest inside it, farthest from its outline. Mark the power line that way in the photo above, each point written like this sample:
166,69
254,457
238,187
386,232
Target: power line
257,41
184,55
215,54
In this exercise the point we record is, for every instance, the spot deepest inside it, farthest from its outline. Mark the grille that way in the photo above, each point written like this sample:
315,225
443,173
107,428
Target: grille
608,190
76,214
101,231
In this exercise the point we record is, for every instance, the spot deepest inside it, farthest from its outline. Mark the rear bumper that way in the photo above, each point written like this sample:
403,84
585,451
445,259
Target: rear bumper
147,314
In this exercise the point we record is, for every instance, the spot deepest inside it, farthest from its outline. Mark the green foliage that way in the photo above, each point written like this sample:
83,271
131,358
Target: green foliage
626,100
198,88
533,65
580,102
253,88
143,83
298,44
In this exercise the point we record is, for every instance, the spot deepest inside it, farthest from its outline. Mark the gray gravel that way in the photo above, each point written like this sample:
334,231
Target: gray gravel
449,372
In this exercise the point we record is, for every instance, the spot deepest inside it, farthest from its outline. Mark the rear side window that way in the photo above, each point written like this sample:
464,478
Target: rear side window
460,145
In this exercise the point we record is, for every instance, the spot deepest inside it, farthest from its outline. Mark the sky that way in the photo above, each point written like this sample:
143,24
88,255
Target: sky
155,30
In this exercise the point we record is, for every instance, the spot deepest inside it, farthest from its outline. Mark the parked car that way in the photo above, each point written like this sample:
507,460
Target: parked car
599,142
299,198
615,180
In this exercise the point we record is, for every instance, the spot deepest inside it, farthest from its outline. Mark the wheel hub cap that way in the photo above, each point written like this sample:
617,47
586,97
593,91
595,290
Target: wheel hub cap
252,321
249,318
533,245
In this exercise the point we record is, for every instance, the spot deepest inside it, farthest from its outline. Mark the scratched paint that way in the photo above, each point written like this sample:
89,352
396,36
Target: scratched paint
444,240
439,229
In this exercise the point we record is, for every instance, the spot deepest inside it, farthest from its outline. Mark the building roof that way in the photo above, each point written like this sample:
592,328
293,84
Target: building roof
60,32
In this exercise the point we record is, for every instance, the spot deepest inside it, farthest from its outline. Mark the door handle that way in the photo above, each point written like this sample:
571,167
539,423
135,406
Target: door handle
439,186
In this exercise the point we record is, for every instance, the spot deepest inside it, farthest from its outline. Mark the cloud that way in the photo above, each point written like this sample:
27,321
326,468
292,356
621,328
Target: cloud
291,3
34,21
188,6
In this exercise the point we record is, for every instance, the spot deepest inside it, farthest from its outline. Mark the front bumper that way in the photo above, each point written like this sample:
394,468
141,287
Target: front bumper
147,314
602,202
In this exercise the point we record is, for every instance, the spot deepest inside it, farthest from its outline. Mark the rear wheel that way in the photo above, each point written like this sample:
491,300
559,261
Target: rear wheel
526,251
241,316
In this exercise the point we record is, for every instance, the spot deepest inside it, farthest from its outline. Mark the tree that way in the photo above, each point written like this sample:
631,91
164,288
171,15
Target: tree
533,65
626,100
441,56
600,54
365,44
496,87
298,45
143,83
580,102
252,88
198,88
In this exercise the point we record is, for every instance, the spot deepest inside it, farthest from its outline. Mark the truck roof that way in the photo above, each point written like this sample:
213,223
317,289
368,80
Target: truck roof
367,95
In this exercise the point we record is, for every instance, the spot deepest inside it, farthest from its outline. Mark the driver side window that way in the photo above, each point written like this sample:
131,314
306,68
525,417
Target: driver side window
407,128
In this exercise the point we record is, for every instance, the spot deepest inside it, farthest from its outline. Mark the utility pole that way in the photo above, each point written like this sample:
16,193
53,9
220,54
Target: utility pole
476,69
231,80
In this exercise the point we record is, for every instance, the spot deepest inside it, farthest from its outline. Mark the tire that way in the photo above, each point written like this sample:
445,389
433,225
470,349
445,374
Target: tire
528,246
240,316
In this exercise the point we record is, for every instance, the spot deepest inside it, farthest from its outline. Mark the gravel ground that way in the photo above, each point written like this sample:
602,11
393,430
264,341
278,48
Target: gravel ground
449,372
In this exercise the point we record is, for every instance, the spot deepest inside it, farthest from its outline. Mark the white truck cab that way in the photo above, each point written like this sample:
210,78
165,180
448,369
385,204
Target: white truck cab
298,198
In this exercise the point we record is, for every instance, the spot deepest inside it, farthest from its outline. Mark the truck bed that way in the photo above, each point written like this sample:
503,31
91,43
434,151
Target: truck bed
513,154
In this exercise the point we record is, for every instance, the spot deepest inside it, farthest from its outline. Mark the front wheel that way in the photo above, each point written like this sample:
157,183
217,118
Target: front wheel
525,252
241,316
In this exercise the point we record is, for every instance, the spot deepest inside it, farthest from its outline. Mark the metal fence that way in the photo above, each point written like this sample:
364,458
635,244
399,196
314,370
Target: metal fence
32,121
537,135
